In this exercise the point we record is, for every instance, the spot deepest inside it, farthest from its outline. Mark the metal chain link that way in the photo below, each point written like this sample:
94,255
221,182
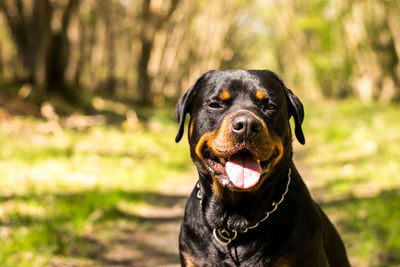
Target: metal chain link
224,237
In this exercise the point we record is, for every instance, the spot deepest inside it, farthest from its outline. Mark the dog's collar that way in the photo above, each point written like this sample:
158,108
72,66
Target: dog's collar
225,237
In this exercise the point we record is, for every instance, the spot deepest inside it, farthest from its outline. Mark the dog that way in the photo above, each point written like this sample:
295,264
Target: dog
250,206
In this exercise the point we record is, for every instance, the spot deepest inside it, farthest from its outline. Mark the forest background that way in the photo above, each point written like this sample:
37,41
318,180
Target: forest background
87,95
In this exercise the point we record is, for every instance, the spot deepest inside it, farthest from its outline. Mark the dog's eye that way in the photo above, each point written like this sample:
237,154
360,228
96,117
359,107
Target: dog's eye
270,106
215,105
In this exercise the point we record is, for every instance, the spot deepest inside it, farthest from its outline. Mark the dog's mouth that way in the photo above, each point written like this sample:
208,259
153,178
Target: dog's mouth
240,170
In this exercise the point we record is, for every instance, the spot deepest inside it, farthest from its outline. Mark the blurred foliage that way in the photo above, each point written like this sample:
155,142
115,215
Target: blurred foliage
335,48
152,50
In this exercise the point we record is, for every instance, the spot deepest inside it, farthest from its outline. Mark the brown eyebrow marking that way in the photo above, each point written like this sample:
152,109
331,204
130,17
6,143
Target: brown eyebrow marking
224,95
261,95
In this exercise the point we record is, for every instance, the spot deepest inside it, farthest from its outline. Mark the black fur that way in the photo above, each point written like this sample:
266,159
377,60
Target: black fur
298,233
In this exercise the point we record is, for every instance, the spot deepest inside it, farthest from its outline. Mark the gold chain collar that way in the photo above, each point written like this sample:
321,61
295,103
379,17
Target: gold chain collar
224,237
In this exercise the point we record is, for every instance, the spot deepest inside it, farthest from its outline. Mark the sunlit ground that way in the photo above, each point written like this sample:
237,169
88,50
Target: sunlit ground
353,153
62,188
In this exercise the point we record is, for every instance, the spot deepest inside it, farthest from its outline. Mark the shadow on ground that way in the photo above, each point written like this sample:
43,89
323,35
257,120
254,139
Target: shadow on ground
154,240
124,228
369,227
95,228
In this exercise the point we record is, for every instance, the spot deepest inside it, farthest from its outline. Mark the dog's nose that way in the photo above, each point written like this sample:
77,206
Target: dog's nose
246,125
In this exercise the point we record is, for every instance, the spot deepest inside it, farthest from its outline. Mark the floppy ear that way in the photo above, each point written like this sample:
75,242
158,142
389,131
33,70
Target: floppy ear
182,107
184,104
295,109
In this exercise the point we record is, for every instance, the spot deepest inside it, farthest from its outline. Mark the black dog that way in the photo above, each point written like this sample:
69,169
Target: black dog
250,207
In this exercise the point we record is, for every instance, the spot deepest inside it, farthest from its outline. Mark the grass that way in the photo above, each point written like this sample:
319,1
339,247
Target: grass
353,151
58,184
64,190
354,144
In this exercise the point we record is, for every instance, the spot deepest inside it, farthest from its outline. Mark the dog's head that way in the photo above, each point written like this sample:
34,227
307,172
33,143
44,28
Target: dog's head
239,131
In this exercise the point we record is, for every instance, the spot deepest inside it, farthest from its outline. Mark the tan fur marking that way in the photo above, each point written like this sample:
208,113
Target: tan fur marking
223,129
278,146
222,142
189,262
191,128
217,188
224,95
222,138
282,262
261,95
208,139
200,144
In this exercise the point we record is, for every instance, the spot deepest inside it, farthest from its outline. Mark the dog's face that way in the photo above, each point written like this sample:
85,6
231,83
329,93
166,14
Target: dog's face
239,129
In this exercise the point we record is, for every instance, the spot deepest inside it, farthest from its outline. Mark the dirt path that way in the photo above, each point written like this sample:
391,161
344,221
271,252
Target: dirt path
154,242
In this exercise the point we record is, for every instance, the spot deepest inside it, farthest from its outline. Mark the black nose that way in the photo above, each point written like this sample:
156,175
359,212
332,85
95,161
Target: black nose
246,125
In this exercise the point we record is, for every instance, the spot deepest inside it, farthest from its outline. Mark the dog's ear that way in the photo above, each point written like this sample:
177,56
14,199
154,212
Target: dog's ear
182,107
295,109
184,104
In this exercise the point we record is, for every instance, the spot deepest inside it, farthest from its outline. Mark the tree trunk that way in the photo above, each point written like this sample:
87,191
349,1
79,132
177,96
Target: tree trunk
151,22
107,12
63,56
49,56
146,38
31,33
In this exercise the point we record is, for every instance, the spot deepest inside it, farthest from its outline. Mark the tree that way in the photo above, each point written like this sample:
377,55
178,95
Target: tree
48,53
151,23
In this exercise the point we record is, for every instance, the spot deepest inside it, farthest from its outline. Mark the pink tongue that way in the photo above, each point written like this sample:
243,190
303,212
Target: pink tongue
243,170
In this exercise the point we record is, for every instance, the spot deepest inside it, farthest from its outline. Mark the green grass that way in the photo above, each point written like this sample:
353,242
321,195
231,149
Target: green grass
353,151
64,190
57,185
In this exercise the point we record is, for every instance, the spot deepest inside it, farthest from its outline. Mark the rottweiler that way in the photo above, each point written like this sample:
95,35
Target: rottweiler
250,206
